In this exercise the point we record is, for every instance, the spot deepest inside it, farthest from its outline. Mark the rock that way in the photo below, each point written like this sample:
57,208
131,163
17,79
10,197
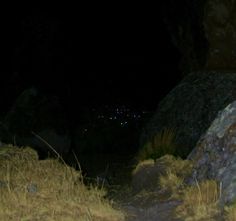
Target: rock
146,175
186,35
43,115
214,156
191,107
32,188
207,39
220,30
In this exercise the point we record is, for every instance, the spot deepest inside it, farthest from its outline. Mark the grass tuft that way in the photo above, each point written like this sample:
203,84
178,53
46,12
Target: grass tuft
176,170
161,144
200,202
230,212
167,174
171,183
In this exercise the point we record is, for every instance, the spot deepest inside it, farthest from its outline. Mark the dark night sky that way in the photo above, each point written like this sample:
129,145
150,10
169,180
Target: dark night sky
98,58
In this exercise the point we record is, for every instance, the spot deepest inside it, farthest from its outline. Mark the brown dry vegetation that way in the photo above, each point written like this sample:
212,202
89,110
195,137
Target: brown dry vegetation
159,145
32,189
200,202
170,171
230,212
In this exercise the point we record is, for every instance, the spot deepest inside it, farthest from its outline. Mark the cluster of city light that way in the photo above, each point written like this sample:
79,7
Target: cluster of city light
122,112
122,115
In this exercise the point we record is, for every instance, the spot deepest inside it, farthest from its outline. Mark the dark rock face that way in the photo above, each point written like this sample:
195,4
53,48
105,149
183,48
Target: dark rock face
203,31
191,107
220,28
214,156
43,115
184,21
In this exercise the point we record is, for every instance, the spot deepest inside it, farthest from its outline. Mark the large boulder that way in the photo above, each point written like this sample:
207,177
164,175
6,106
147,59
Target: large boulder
214,156
191,107
39,121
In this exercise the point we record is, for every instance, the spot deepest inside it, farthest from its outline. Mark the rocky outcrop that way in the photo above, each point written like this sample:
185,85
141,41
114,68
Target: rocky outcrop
207,38
42,115
220,30
214,156
183,20
191,107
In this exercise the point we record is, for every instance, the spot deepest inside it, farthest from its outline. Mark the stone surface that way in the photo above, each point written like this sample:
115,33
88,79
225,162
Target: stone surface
145,176
191,107
220,30
163,211
214,156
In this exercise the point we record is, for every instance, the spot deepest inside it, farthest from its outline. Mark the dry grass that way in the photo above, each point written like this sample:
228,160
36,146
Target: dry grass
47,190
145,152
176,170
230,213
200,202
171,183
143,165
176,165
162,143
169,173
171,170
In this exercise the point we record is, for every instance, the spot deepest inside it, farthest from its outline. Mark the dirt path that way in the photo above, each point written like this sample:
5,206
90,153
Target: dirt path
150,206
147,207
158,212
